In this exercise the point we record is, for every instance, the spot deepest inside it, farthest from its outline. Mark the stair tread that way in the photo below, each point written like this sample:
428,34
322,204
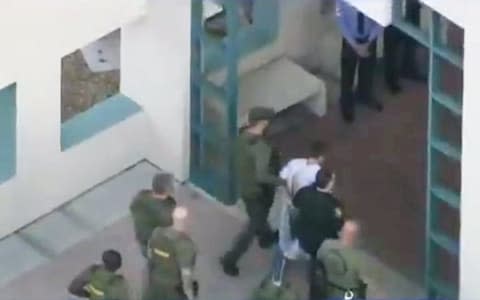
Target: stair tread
66,233
14,246
450,197
448,102
445,242
448,55
446,148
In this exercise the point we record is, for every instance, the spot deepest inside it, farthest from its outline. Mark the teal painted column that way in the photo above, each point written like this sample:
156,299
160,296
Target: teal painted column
8,141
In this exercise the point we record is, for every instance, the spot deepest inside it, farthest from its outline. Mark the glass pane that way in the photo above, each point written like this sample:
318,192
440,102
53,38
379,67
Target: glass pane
448,35
195,110
216,157
446,171
195,151
214,115
446,125
414,15
447,79
90,75
216,166
448,220
447,270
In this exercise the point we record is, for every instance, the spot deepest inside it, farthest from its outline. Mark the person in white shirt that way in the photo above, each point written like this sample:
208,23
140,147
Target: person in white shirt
298,173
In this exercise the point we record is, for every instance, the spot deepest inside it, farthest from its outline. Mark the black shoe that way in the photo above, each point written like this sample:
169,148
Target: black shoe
348,116
414,76
394,87
373,104
229,269
268,240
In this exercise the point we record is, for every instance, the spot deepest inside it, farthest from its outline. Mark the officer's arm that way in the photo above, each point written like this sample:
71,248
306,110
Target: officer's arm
262,168
77,286
188,282
119,290
186,259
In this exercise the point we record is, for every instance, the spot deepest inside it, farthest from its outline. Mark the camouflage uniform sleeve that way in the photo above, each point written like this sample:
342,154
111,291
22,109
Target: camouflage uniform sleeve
186,254
119,289
77,285
263,155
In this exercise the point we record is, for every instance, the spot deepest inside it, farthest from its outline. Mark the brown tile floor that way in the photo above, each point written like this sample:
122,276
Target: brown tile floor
381,165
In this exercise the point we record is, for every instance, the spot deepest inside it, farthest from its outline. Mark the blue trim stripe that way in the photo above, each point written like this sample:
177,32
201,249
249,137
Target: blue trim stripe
8,120
98,118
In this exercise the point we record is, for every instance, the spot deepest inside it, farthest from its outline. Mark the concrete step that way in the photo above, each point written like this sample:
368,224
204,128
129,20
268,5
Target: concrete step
281,84
54,234
64,228
16,257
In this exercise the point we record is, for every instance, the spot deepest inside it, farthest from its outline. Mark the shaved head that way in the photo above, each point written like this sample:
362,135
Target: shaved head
350,232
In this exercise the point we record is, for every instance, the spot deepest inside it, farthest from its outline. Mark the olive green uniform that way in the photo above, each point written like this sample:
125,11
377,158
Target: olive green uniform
149,213
256,181
96,283
342,267
169,253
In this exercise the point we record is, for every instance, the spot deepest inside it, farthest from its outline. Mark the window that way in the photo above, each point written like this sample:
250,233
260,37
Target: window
91,98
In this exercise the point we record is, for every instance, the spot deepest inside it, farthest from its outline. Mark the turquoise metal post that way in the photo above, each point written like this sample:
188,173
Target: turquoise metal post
437,148
233,24
428,245
195,86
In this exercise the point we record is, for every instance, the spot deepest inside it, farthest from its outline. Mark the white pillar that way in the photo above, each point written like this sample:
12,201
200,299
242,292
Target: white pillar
156,73
470,206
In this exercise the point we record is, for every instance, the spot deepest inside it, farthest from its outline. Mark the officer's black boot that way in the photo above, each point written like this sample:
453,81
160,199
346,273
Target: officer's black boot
267,240
229,268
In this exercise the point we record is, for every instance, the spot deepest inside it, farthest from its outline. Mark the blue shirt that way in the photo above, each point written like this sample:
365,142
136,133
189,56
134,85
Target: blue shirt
348,20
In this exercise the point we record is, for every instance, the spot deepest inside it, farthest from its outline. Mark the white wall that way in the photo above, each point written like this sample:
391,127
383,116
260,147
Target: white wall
35,35
310,36
156,73
470,225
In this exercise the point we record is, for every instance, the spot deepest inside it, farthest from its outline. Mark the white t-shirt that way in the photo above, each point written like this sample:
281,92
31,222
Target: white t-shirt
299,173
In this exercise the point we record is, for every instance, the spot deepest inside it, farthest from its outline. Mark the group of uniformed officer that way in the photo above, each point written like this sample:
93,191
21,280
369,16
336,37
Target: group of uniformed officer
168,249
171,253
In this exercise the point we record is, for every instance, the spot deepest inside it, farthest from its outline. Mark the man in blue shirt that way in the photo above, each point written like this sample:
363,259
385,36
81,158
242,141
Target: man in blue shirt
358,48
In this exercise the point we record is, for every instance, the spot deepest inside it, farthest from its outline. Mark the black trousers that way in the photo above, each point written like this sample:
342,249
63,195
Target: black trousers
395,40
257,226
366,71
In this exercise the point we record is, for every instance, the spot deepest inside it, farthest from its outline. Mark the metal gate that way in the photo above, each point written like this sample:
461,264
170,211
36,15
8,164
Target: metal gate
214,107
443,152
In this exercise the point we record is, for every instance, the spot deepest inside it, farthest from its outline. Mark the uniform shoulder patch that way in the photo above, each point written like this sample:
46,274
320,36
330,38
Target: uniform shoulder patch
338,212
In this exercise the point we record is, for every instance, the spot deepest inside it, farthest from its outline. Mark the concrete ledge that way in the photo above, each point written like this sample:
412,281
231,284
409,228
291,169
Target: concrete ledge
99,117
281,84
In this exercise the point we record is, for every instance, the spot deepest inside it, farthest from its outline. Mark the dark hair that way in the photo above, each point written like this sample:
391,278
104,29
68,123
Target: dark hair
112,260
318,148
323,178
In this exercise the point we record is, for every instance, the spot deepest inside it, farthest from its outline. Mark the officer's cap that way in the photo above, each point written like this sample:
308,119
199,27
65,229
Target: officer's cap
260,113
162,183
